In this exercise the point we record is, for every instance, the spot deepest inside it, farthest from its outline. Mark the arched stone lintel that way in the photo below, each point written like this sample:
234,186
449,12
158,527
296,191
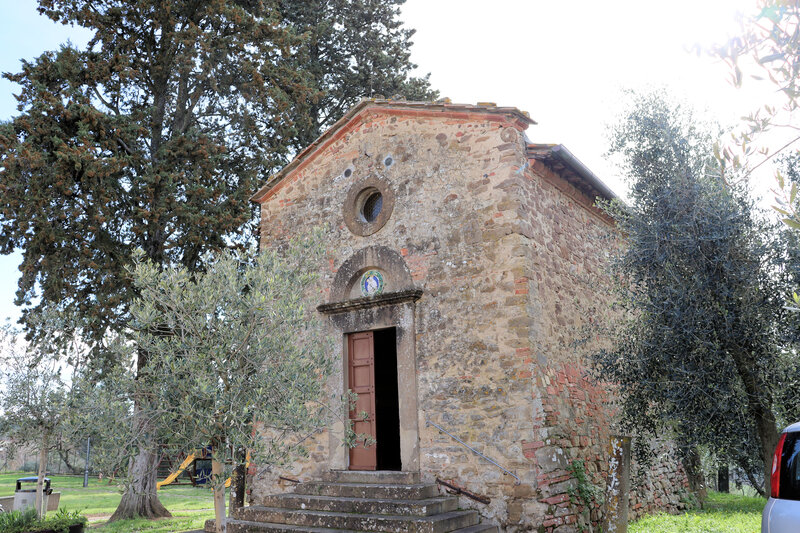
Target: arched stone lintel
397,273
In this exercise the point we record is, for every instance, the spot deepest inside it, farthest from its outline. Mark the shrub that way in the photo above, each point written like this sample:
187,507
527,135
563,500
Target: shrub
27,522
14,521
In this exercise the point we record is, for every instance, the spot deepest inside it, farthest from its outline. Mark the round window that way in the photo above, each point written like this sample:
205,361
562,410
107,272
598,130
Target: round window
373,203
368,205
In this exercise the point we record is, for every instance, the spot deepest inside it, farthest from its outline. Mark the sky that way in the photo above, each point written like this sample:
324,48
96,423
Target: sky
566,63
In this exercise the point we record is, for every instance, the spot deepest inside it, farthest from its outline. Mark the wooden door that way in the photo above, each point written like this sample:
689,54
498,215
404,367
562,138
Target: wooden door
361,372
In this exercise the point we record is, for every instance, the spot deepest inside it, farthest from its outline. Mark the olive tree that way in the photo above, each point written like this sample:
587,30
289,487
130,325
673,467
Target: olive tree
235,357
698,351
767,50
33,400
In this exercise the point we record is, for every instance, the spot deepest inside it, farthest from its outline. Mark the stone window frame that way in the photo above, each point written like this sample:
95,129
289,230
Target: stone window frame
352,208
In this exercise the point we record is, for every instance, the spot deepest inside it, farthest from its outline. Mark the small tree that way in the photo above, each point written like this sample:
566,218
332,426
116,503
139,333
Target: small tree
232,349
698,350
33,402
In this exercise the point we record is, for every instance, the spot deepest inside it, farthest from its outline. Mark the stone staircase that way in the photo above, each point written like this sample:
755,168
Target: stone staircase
393,502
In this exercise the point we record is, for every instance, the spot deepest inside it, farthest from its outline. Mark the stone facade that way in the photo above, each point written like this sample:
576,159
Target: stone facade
492,252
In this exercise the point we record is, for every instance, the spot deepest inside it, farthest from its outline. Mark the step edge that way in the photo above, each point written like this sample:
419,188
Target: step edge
371,485
430,518
421,501
290,526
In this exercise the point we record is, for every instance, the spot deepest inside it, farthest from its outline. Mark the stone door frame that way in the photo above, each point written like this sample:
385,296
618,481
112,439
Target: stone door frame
395,309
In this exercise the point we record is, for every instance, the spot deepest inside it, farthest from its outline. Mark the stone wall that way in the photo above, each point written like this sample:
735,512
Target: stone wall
662,487
509,258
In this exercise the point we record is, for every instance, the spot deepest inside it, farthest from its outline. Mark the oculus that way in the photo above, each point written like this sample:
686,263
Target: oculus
371,205
368,205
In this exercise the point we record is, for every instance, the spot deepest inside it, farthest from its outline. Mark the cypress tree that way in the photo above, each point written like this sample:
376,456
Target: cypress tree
153,137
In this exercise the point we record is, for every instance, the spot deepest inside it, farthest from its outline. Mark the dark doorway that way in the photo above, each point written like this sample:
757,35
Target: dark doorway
387,409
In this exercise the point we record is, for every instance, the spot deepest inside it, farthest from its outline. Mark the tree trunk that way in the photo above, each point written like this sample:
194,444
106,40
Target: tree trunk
694,474
768,435
723,479
65,459
759,408
754,482
237,488
140,498
218,480
40,508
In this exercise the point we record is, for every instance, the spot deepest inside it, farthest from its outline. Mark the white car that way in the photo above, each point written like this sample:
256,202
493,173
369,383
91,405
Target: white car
782,513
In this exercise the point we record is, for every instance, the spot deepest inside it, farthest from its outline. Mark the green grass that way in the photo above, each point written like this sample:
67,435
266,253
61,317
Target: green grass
190,506
180,521
723,513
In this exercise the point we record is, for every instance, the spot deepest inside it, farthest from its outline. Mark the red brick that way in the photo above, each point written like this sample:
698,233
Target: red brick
552,500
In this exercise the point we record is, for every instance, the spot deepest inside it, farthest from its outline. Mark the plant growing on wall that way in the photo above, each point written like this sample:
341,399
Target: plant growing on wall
584,493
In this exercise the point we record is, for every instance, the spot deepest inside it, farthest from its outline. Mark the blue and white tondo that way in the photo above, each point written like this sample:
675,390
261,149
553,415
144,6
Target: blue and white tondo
372,283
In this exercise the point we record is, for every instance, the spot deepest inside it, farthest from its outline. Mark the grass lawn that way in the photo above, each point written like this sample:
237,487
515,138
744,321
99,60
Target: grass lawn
723,513
190,506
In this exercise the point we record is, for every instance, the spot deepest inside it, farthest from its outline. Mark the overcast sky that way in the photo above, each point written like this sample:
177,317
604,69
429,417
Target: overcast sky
563,62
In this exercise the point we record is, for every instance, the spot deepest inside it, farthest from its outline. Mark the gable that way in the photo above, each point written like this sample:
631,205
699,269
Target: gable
370,109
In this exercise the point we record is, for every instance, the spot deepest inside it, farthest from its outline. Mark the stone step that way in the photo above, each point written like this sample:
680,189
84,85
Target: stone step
386,491
374,477
243,526
441,523
483,527
425,507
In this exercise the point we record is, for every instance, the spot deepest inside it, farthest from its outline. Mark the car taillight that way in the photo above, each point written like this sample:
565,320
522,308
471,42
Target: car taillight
775,479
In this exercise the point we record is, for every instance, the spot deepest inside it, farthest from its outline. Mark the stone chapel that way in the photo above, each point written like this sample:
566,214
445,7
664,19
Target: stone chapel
465,269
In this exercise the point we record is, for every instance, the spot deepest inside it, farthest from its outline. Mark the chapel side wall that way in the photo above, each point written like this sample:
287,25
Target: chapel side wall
568,244
456,224
663,487
570,303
